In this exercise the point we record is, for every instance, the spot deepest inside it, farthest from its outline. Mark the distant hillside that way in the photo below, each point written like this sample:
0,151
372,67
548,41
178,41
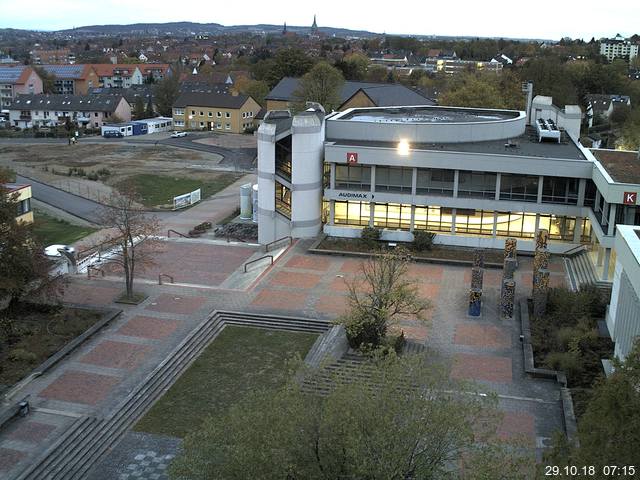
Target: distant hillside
190,28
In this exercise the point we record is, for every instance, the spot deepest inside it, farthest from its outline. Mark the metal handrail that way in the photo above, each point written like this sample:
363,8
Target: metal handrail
572,250
289,237
254,261
164,275
97,269
175,231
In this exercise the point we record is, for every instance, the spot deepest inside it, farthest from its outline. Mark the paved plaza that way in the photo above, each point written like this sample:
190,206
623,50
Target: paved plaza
102,371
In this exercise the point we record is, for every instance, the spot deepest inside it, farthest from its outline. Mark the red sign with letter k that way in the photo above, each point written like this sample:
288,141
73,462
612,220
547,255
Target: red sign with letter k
630,198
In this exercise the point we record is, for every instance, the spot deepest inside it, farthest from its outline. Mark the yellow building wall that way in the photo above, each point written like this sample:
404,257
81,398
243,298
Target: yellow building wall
359,100
277,105
24,194
208,116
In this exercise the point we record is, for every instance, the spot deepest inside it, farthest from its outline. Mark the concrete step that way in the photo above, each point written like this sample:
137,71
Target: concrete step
76,453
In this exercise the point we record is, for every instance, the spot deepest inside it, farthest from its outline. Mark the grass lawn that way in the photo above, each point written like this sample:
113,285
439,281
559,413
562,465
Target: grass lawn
240,360
49,230
39,332
159,190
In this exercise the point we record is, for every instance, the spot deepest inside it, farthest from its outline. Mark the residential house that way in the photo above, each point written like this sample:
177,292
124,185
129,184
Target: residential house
618,47
503,59
22,193
90,111
353,94
72,79
603,106
154,72
118,75
214,111
60,56
18,80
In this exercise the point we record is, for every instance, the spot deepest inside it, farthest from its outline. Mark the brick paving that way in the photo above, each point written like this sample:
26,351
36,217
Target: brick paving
485,336
116,354
488,368
148,327
9,458
179,304
80,387
517,426
31,432
94,379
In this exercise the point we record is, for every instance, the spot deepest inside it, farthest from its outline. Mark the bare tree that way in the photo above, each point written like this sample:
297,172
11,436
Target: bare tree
132,231
378,296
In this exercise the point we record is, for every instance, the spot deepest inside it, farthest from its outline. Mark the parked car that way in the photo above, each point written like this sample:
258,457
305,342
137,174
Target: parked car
54,250
178,134
112,134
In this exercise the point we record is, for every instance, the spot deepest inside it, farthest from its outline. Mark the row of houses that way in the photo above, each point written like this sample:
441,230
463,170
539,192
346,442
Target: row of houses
77,79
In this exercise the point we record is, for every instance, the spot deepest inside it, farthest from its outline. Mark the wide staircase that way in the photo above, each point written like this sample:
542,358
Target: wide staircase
89,438
582,272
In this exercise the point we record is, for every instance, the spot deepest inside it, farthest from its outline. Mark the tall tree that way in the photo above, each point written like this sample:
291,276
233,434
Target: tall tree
166,92
323,84
48,80
380,294
609,430
132,233
23,266
354,66
149,113
484,90
138,108
393,419
256,89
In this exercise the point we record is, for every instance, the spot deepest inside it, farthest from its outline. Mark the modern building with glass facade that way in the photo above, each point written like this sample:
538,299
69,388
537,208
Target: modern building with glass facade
471,176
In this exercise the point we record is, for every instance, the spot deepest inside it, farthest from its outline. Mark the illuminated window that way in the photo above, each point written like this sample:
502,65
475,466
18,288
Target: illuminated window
432,219
392,215
283,200
477,222
351,213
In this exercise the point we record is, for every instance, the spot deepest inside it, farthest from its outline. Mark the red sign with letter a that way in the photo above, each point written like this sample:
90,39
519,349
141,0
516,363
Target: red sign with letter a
352,157
630,198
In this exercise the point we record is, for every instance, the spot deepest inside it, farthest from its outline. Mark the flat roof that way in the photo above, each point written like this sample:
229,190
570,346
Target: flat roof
427,114
623,166
526,145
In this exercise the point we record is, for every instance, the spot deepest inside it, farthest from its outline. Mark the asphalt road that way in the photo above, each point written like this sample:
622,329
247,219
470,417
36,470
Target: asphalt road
75,205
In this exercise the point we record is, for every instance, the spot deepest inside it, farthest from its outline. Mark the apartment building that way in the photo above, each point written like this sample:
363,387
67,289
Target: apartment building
22,193
17,80
91,111
214,112
618,47
117,75
72,79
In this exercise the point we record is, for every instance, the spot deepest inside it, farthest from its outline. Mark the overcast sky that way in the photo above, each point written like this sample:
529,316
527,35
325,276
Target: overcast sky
488,18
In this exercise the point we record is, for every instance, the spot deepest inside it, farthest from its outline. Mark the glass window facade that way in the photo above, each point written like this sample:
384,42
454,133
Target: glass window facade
477,222
283,158
283,200
560,190
351,213
353,177
394,216
433,219
590,194
516,224
435,181
519,187
560,227
476,184
393,179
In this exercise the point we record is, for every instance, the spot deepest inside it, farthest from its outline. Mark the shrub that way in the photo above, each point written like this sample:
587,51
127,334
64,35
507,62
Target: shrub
370,237
21,355
361,330
422,240
569,362
93,176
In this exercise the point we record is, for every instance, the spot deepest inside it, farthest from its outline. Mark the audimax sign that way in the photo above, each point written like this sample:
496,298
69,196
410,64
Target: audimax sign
354,196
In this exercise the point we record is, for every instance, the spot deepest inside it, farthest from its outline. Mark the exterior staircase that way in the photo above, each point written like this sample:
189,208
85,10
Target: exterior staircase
77,450
582,272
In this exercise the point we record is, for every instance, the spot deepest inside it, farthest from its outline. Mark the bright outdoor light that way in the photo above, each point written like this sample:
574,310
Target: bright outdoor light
403,147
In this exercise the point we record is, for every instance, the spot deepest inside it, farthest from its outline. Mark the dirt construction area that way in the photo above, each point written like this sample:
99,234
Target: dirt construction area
93,170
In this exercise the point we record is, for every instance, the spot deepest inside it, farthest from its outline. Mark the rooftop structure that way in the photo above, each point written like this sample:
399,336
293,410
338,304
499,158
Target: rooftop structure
623,166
